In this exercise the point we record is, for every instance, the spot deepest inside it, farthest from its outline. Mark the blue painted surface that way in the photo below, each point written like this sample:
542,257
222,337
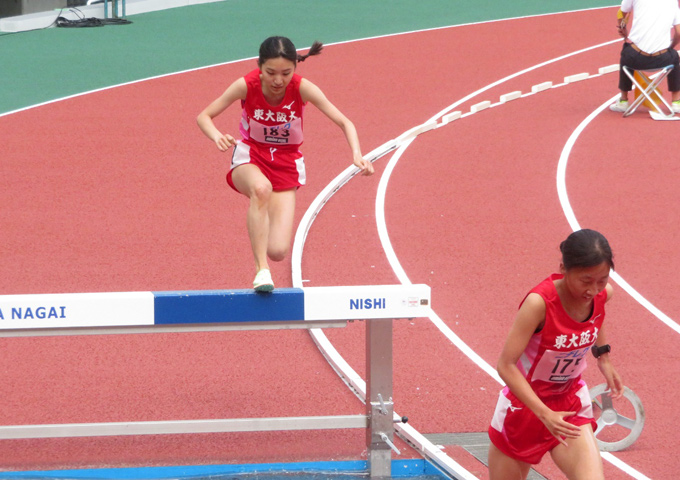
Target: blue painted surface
416,469
228,306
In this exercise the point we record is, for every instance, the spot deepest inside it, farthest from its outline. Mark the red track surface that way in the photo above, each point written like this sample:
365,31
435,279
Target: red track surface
136,200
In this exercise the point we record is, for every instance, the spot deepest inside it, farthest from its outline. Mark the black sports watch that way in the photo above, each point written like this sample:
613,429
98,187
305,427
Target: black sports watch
598,351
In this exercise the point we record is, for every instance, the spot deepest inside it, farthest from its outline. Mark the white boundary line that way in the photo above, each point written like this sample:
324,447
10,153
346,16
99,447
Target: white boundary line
521,72
396,266
623,466
132,82
401,274
328,350
574,224
344,370
405,430
380,203
180,72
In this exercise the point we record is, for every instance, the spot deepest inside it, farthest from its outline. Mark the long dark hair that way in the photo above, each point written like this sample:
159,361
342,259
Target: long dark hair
586,248
282,47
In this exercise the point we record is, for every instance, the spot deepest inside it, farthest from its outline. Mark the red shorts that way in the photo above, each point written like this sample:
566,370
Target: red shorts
519,434
284,168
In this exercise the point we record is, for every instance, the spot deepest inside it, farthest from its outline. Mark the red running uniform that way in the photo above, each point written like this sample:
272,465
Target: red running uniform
272,135
552,363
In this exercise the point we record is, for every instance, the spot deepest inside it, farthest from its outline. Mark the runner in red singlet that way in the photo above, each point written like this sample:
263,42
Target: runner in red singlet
545,406
267,165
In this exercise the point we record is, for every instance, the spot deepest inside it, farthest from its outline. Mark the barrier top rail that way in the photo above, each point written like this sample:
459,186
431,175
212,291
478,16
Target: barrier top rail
307,307
138,312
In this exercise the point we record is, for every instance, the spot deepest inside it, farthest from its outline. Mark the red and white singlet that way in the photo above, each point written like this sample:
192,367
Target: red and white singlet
271,135
555,357
552,363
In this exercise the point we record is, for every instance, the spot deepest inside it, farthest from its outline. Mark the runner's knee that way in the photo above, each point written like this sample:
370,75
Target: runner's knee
277,253
262,193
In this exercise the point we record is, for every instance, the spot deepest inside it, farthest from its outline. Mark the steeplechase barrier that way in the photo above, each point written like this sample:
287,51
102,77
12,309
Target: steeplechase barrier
220,310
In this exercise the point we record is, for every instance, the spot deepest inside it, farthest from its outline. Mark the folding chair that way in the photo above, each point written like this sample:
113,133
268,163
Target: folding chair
646,84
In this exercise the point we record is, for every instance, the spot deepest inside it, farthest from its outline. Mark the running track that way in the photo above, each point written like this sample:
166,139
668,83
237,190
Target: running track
471,209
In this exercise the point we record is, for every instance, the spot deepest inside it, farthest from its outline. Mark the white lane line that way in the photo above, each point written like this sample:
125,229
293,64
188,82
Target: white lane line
521,72
399,271
342,368
179,72
562,165
382,191
624,466
110,87
328,350
574,224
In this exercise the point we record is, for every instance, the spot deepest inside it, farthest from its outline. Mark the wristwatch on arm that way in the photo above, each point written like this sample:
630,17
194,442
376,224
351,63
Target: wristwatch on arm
599,351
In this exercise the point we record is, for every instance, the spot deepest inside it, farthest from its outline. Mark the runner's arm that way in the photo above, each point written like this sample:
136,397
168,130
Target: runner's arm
529,318
313,94
611,376
236,91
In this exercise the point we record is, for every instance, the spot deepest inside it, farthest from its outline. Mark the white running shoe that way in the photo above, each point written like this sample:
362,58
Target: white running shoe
676,106
263,281
620,106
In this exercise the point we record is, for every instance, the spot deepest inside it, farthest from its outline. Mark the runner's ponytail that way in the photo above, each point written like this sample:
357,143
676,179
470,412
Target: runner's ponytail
315,49
282,47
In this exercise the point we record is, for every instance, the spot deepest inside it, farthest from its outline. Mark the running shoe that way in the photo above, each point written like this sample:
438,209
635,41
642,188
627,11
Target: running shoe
620,106
263,281
675,106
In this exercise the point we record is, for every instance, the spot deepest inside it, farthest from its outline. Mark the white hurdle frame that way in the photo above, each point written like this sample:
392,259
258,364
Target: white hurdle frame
219,310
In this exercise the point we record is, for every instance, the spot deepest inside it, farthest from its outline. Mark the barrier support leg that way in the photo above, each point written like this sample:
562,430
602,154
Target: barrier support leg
379,405
114,8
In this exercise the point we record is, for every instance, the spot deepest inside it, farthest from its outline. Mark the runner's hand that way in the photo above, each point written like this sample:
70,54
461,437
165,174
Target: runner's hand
364,165
561,429
615,384
613,379
225,142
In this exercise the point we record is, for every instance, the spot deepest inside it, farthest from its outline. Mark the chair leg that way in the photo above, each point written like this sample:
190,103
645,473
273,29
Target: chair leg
651,89
647,91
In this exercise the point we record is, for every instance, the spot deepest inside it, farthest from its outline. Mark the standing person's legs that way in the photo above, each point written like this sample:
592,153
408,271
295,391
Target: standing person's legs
581,459
281,217
502,467
249,180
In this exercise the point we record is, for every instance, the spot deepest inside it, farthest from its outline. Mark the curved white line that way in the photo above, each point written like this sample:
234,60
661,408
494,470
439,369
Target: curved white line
517,74
401,274
398,269
180,72
562,165
328,350
342,368
573,222
380,213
